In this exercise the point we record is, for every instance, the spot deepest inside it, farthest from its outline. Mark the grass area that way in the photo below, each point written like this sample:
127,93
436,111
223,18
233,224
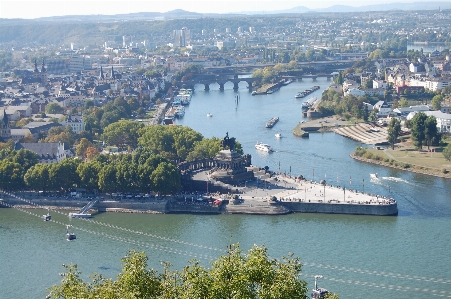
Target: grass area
406,156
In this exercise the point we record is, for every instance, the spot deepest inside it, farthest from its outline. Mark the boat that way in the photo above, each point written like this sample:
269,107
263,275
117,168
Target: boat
70,236
272,122
299,95
209,115
269,91
254,93
263,147
180,111
373,175
79,215
278,135
47,217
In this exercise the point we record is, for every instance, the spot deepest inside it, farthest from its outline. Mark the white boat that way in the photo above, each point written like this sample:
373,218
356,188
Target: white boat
209,115
373,175
263,147
180,112
79,215
278,135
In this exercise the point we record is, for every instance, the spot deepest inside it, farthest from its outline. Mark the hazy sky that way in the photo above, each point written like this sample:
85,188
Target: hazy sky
29,9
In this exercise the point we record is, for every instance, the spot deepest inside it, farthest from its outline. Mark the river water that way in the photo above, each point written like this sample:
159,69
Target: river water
408,256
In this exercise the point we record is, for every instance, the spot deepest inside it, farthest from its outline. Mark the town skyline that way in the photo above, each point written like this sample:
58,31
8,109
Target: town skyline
32,9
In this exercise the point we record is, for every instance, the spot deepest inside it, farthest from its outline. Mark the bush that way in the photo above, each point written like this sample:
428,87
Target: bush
360,151
368,155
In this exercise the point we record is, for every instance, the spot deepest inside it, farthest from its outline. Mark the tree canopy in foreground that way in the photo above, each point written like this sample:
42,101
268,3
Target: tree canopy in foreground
232,275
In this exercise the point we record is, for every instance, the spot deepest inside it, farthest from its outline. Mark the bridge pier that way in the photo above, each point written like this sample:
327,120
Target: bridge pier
235,86
300,79
207,87
221,86
249,86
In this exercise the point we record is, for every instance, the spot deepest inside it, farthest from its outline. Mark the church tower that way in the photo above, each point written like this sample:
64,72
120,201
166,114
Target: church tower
5,130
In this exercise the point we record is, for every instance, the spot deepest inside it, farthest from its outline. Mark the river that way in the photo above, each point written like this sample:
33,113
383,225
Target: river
407,256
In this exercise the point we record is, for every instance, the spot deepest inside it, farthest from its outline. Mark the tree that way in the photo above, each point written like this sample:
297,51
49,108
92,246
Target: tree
37,177
122,133
166,178
82,146
53,108
394,128
430,129
232,275
89,174
447,152
418,129
403,103
11,175
437,102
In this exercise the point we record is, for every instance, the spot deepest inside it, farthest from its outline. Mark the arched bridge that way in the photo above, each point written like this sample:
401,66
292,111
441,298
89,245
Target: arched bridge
207,79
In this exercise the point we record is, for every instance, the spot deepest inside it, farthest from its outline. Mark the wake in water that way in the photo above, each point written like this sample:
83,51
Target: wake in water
398,180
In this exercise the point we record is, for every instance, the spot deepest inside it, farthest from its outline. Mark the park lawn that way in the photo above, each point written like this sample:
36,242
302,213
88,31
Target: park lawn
433,161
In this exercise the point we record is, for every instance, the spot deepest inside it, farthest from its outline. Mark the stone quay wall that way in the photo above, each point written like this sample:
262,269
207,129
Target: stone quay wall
333,208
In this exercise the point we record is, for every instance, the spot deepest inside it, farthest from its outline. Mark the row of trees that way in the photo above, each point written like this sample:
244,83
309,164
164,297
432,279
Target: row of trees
232,275
347,106
424,130
151,167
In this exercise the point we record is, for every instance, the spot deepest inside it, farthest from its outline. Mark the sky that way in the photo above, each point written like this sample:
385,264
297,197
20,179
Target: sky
30,9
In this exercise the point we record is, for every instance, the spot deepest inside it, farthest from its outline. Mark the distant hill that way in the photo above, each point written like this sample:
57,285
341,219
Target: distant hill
374,7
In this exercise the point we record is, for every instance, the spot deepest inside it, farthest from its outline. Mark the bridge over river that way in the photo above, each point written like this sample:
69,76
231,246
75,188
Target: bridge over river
236,78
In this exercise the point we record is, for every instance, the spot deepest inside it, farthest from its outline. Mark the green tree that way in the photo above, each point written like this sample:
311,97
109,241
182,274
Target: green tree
63,175
89,174
430,129
418,129
403,103
53,108
11,175
166,179
37,177
122,133
25,158
107,179
437,102
447,152
232,275
394,128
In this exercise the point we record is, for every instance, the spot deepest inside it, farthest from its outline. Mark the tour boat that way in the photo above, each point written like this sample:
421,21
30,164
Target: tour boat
263,147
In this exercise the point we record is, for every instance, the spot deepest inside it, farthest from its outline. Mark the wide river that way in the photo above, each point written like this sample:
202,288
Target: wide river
408,256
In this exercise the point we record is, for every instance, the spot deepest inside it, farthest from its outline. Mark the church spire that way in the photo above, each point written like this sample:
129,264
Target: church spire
43,66
36,67
102,76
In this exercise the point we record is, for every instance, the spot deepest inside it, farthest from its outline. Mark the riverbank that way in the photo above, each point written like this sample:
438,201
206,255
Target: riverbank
270,194
389,162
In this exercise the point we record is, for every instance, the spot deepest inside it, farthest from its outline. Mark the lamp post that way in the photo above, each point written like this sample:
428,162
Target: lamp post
363,185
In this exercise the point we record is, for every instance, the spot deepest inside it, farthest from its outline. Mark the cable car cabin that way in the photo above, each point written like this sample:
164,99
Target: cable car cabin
71,236
319,293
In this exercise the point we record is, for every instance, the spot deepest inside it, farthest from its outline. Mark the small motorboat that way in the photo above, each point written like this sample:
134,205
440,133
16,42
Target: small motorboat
209,115
47,217
70,236
278,135
373,175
